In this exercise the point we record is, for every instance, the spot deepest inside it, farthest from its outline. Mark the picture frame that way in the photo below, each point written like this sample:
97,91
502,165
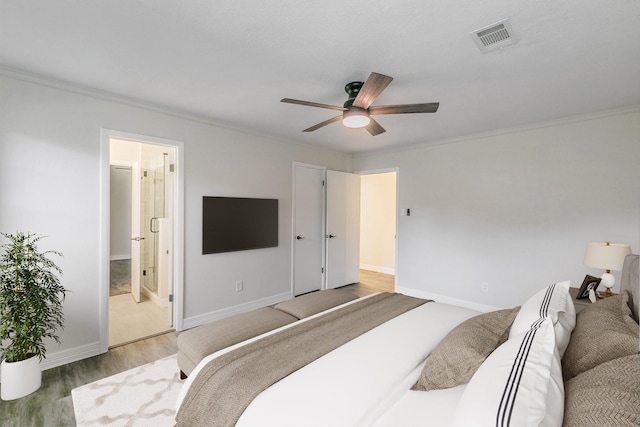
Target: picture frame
589,283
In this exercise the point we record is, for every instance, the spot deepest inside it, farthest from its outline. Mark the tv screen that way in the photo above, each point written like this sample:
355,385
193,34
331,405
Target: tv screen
238,224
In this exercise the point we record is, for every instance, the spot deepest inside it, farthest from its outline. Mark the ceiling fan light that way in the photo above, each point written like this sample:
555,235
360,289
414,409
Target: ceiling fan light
355,118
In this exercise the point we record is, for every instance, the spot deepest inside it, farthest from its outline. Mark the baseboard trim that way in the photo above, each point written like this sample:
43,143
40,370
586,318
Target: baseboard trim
160,302
59,358
446,300
201,319
378,269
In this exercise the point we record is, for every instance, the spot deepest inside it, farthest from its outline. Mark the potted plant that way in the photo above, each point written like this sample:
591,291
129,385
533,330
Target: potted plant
31,299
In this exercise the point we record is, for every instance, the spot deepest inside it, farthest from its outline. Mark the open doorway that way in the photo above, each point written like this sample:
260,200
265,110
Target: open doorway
378,222
142,190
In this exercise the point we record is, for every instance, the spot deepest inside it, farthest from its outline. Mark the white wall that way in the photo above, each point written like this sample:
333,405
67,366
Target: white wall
516,209
120,211
378,222
49,181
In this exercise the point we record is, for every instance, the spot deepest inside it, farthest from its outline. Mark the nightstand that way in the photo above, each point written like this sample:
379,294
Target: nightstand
580,303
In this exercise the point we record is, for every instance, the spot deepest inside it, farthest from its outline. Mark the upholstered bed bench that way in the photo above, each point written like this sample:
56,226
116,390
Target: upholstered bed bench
313,303
197,343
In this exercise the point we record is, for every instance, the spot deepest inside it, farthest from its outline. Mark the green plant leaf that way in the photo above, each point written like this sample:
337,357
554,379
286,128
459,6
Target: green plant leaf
31,297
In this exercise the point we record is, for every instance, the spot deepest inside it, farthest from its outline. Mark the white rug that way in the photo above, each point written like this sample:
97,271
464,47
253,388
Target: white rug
143,396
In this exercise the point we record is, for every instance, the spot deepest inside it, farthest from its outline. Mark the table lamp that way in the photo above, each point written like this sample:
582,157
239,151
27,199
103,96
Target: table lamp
607,256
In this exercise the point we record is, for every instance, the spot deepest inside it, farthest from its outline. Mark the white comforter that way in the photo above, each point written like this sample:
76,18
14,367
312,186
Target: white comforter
364,382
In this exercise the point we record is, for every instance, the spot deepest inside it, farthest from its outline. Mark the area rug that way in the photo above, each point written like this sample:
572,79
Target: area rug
143,396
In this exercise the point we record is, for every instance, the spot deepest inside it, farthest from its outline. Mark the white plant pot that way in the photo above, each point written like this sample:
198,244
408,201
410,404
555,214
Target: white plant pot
19,379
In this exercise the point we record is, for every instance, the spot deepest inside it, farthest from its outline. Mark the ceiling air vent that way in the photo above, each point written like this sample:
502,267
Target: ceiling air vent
494,37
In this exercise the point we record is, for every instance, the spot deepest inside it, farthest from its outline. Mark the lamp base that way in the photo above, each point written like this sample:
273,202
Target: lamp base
607,293
608,280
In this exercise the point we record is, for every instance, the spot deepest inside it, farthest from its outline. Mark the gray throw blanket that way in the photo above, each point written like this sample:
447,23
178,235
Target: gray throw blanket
227,384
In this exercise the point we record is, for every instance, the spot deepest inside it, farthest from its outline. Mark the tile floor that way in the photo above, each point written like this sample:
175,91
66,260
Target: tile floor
130,321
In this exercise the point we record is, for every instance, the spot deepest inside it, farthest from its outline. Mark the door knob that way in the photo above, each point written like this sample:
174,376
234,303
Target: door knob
331,236
299,237
137,239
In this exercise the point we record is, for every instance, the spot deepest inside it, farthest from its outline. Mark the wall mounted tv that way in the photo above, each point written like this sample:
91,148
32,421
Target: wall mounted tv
238,224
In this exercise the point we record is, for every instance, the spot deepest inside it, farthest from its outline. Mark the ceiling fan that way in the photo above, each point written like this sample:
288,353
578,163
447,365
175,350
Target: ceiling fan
357,110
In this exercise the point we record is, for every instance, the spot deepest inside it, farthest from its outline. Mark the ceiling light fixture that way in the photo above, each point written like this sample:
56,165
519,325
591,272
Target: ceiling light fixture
355,118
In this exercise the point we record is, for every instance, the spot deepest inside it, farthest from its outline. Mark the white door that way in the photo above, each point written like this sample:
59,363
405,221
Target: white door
308,230
343,228
137,240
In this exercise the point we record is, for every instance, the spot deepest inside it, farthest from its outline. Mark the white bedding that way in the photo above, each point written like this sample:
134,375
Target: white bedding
434,408
367,381
363,382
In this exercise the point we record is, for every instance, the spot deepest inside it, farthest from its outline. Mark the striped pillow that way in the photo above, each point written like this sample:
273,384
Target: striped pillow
520,384
555,302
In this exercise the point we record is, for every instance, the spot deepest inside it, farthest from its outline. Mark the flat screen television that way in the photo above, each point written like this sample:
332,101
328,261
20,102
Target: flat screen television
238,224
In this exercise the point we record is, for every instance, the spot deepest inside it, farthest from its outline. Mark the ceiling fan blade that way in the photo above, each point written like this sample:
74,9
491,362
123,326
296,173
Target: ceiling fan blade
431,107
323,124
371,89
312,104
374,128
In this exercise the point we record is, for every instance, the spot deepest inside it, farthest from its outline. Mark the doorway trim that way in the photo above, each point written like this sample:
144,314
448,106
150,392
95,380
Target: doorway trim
104,247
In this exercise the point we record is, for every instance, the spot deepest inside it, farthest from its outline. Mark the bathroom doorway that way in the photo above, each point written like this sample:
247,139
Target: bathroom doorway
141,261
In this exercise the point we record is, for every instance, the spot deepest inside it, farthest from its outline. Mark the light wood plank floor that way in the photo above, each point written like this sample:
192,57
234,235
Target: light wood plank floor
52,404
371,282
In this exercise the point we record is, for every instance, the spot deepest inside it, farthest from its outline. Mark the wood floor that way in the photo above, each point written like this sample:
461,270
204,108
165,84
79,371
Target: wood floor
51,405
371,282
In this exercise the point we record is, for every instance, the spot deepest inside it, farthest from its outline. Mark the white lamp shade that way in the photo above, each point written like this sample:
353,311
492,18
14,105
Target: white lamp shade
607,256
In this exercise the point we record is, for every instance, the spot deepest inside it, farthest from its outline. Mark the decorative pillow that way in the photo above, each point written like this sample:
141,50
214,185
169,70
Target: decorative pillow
604,331
520,384
462,351
555,302
605,395
315,302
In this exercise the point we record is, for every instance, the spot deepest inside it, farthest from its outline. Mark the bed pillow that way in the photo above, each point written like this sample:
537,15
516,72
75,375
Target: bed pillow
462,351
605,395
604,331
520,384
315,302
555,302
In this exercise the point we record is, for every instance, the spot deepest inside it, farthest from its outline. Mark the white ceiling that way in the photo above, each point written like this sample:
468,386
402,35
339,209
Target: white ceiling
232,61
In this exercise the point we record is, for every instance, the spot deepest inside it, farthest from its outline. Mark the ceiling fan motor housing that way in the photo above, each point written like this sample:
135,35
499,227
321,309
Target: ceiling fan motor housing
352,90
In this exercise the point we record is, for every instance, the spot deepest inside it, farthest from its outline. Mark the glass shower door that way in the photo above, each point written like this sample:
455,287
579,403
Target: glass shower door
152,210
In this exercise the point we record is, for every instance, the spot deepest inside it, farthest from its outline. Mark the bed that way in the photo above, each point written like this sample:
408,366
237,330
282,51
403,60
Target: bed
432,364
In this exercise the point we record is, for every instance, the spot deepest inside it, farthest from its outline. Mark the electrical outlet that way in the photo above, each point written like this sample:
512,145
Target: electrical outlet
239,286
484,286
